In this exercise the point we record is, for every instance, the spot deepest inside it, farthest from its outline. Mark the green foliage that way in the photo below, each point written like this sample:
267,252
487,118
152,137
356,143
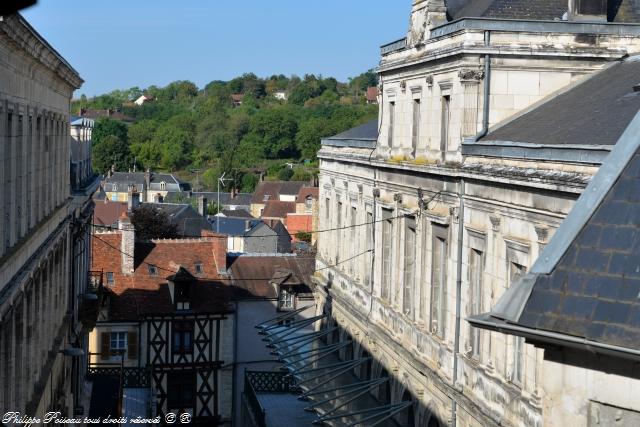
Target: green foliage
151,223
190,128
213,208
303,236
285,174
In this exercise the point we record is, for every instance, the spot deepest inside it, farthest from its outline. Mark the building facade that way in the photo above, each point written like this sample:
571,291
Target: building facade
40,333
434,216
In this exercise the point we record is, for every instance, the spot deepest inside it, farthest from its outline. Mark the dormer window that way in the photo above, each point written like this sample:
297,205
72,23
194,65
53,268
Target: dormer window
115,187
182,296
153,270
286,300
265,198
308,203
163,185
199,268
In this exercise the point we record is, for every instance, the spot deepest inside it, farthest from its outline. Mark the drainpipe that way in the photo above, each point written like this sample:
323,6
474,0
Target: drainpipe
456,344
487,89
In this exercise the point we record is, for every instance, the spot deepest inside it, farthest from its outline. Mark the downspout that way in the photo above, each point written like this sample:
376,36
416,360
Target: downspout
456,344
477,137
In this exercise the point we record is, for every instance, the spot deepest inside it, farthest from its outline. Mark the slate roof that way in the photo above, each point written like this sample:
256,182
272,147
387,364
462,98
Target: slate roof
367,131
255,273
236,213
190,223
123,179
240,199
233,226
278,209
586,283
594,112
621,11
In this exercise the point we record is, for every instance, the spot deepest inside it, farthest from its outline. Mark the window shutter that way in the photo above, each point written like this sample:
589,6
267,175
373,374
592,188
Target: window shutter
105,345
132,345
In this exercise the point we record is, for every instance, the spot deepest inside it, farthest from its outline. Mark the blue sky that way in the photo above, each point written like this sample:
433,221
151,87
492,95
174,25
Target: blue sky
117,44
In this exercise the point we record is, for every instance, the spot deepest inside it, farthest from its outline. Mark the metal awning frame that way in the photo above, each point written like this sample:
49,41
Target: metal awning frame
263,325
390,410
361,390
352,365
299,325
304,338
303,343
322,355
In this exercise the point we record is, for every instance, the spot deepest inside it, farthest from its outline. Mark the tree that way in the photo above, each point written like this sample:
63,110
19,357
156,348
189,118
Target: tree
152,223
111,151
285,174
105,127
249,183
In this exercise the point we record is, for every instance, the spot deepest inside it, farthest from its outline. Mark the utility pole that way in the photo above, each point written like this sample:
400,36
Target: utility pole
220,180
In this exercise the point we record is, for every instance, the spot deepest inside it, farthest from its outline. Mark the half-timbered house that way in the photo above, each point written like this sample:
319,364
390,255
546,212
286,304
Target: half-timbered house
167,327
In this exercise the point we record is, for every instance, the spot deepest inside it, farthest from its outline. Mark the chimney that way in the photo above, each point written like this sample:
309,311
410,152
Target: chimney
147,178
219,246
588,10
127,243
134,199
425,14
202,206
247,225
233,192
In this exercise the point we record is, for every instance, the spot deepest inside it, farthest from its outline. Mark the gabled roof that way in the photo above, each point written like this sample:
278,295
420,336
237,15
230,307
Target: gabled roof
278,209
236,213
584,289
239,199
271,190
107,212
190,223
234,226
594,112
305,192
256,273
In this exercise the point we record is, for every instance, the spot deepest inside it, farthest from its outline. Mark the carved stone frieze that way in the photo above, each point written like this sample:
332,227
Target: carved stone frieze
471,74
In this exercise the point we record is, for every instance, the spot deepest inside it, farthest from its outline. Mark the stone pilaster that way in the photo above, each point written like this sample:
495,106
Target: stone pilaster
470,81
127,244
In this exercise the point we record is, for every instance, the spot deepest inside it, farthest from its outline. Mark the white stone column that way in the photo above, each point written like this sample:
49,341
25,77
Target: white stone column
470,81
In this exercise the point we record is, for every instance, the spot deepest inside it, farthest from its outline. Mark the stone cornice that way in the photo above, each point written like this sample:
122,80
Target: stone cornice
17,29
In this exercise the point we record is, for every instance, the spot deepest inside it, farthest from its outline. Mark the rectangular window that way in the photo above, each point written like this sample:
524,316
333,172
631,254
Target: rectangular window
110,278
183,337
183,300
475,298
199,268
153,270
352,239
369,256
327,209
409,265
286,300
415,134
438,281
118,342
392,113
181,390
515,272
387,253
339,232
444,130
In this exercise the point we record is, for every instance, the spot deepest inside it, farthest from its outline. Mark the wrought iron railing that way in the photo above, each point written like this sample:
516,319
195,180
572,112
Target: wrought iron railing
131,377
257,411
271,382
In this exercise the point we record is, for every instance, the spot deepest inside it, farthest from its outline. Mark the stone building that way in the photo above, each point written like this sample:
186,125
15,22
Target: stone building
43,228
153,187
439,207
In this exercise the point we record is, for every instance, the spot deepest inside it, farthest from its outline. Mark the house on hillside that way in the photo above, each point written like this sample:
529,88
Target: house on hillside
372,95
112,114
143,99
280,94
236,99
153,187
283,191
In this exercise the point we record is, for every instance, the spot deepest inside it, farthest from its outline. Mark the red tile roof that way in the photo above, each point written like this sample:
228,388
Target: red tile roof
278,209
304,192
372,94
144,293
296,223
107,212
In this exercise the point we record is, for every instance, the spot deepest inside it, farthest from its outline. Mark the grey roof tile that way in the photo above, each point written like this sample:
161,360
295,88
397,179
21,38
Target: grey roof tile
594,112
